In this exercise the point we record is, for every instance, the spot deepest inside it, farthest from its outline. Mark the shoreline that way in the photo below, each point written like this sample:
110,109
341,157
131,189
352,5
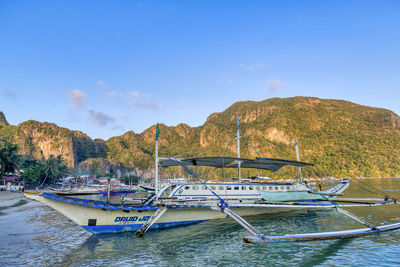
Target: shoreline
8,198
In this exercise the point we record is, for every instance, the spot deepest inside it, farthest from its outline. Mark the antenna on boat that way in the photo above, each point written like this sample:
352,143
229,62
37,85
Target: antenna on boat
298,158
238,146
156,160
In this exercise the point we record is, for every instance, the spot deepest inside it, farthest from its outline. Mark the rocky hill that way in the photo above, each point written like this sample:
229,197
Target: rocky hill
3,121
42,139
341,138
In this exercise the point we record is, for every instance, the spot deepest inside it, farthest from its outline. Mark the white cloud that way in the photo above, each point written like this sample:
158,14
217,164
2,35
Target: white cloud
106,88
99,118
151,105
131,96
77,98
253,67
102,84
111,93
273,85
136,94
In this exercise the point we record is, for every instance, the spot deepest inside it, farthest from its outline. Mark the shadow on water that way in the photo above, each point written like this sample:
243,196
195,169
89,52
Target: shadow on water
216,242
18,204
321,256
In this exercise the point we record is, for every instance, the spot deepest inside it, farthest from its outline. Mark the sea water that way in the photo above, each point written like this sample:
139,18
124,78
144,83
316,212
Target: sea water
33,234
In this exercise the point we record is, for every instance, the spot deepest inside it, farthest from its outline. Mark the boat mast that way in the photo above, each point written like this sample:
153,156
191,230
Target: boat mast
238,146
156,162
298,158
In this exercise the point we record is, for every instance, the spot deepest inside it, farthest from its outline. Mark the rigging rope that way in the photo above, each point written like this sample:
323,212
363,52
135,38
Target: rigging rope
223,163
222,202
373,190
306,185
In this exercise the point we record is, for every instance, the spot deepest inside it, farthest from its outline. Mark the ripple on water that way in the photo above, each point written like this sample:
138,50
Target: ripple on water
34,234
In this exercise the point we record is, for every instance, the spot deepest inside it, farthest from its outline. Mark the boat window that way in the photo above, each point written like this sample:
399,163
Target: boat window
287,188
271,188
258,188
276,187
228,188
187,187
243,188
236,187
250,187
282,188
213,187
180,191
204,188
195,187
220,187
264,188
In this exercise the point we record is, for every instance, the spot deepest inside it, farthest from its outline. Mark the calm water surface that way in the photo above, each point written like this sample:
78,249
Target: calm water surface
34,234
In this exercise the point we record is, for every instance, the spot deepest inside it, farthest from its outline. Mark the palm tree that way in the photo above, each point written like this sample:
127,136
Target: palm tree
9,158
54,169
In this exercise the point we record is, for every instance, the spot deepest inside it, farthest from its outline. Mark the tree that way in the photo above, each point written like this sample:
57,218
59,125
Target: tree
33,174
54,169
9,158
130,179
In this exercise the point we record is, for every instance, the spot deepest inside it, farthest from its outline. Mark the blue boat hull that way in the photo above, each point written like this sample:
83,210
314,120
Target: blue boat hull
104,193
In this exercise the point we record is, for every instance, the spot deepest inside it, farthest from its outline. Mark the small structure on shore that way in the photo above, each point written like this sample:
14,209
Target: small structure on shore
12,183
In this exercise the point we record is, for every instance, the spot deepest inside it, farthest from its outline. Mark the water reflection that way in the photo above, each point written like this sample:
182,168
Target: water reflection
34,234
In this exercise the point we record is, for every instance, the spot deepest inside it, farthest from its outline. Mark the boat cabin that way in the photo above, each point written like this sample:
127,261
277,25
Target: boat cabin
225,190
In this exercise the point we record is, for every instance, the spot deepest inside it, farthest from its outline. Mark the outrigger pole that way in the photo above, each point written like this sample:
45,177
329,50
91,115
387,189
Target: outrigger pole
222,205
373,228
259,237
298,159
238,147
156,159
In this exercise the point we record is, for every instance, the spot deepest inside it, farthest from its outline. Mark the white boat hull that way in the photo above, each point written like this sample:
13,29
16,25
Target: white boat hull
104,220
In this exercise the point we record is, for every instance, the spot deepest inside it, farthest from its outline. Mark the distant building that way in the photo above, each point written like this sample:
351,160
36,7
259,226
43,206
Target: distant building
12,183
81,175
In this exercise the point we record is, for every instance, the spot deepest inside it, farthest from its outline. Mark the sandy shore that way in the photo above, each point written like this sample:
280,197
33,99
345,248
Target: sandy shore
10,198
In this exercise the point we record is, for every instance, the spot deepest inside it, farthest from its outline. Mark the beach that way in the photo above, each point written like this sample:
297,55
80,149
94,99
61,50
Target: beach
8,199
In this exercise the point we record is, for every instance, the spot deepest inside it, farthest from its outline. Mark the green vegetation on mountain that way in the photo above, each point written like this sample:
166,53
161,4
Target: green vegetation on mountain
3,120
42,139
341,138
32,171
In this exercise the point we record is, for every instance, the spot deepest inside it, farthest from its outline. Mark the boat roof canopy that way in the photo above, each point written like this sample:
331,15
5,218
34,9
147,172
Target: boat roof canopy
228,162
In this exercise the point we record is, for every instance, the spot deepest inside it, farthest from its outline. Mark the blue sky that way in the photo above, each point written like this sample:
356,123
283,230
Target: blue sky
106,67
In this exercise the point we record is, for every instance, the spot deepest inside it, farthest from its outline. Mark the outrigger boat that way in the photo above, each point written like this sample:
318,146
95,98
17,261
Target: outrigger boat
182,203
118,191
190,203
75,191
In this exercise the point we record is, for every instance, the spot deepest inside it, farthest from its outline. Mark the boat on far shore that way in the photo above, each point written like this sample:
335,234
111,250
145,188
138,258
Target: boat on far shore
75,191
118,191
